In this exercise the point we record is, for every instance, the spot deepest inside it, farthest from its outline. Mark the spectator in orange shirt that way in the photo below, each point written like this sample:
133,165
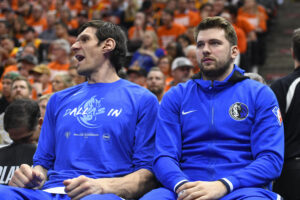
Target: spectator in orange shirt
75,6
41,76
8,52
66,18
60,51
170,30
184,16
37,21
257,16
31,37
242,39
137,31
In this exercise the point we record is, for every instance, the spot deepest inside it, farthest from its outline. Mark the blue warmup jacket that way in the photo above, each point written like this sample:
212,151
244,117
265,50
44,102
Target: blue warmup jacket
231,130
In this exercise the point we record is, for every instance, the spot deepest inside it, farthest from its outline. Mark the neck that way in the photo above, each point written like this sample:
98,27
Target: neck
221,77
296,64
105,74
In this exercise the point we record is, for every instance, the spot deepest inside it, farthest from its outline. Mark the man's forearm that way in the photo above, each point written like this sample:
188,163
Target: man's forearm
133,185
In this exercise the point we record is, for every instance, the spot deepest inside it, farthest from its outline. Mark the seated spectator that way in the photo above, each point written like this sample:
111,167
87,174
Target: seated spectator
76,78
20,89
37,21
190,53
22,122
149,53
42,101
181,71
61,81
185,16
174,50
60,61
137,75
30,36
164,64
156,82
41,76
170,30
137,31
6,97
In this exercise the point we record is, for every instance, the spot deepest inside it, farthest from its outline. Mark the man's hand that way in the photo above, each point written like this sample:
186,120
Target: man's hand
82,186
201,190
27,177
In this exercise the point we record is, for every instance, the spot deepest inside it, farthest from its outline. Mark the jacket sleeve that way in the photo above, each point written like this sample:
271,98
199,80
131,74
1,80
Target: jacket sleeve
168,142
267,145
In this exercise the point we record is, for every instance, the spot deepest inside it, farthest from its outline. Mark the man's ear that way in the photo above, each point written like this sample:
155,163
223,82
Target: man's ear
109,45
234,51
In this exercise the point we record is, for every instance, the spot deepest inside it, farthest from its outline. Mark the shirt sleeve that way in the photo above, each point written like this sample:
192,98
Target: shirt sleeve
168,142
145,132
45,153
267,145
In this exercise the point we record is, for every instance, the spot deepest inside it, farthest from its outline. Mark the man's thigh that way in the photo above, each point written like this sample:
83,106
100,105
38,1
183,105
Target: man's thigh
102,197
15,193
160,194
251,194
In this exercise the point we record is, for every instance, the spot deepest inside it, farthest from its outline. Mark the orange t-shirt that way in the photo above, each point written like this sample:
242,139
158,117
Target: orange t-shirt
187,19
258,20
39,26
166,35
132,29
243,23
57,67
242,39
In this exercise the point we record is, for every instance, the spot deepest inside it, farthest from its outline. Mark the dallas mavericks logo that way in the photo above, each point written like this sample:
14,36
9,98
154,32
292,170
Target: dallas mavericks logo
238,111
87,112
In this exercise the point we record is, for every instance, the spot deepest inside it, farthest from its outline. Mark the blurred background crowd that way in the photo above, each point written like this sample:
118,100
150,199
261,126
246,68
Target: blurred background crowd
36,36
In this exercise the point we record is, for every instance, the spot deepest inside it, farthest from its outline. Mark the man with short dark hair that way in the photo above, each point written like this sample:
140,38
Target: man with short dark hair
22,121
219,135
97,139
287,90
156,82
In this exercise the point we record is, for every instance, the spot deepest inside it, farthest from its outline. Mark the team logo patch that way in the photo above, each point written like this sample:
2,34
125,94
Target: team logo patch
238,111
277,113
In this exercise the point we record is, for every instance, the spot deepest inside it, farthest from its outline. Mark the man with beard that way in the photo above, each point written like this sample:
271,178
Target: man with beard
156,82
219,135
20,89
97,138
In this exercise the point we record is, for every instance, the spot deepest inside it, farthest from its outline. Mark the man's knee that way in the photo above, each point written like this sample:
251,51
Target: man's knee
161,194
101,197
251,194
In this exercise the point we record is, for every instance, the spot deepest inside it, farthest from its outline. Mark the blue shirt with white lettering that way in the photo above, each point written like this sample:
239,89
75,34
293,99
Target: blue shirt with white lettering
97,130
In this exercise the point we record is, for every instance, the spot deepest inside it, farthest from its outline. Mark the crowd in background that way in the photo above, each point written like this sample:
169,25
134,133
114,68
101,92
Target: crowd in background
36,36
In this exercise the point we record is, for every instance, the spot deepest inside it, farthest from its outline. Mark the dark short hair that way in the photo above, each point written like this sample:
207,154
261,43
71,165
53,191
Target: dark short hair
296,44
22,78
109,30
221,23
22,113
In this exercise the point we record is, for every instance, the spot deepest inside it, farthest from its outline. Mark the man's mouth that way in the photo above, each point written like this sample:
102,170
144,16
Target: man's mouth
79,57
207,60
